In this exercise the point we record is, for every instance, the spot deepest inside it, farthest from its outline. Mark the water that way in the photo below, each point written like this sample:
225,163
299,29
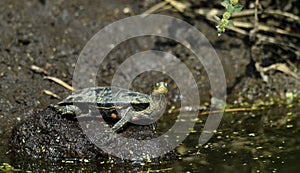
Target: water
258,141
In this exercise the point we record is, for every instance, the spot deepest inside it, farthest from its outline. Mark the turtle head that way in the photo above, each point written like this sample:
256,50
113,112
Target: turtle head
160,88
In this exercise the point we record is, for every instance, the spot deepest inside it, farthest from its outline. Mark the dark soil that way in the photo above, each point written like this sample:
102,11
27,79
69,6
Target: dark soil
47,135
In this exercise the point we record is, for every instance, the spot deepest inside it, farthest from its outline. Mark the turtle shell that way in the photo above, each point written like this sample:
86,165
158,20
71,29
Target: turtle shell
106,97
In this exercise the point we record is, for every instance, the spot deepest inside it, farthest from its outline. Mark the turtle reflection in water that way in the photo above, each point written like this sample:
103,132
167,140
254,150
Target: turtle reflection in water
125,105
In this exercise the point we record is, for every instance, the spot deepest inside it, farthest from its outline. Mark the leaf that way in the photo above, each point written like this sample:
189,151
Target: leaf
230,23
238,8
224,3
217,18
230,9
220,29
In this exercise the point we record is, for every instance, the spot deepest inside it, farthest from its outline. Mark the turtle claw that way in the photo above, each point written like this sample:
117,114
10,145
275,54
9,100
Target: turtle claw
153,126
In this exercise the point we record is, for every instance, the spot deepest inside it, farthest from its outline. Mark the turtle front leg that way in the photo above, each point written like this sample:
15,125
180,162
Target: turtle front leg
126,117
67,109
129,115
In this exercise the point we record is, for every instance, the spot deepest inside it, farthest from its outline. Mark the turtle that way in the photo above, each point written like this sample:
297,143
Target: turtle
117,103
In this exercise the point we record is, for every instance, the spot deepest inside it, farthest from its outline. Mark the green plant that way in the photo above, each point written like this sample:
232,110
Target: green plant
230,6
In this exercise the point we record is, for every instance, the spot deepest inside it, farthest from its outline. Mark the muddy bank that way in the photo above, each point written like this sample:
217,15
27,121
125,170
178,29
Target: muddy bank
46,135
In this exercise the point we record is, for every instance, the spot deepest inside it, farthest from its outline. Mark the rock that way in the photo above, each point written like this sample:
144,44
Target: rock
48,136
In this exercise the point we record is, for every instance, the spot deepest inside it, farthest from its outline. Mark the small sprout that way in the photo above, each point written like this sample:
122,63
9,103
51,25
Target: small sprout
238,8
226,15
230,23
230,6
234,2
225,21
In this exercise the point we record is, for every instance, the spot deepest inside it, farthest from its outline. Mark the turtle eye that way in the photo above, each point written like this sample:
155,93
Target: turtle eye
166,84
160,85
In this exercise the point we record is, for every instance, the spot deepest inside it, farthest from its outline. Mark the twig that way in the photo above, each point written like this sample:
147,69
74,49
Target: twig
230,110
232,28
50,93
256,23
286,45
249,12
243,13
181,7
155,7
39,70
281,67
254,30
287,15
258,67
262,27
54,79
210,13
206,112
60,82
